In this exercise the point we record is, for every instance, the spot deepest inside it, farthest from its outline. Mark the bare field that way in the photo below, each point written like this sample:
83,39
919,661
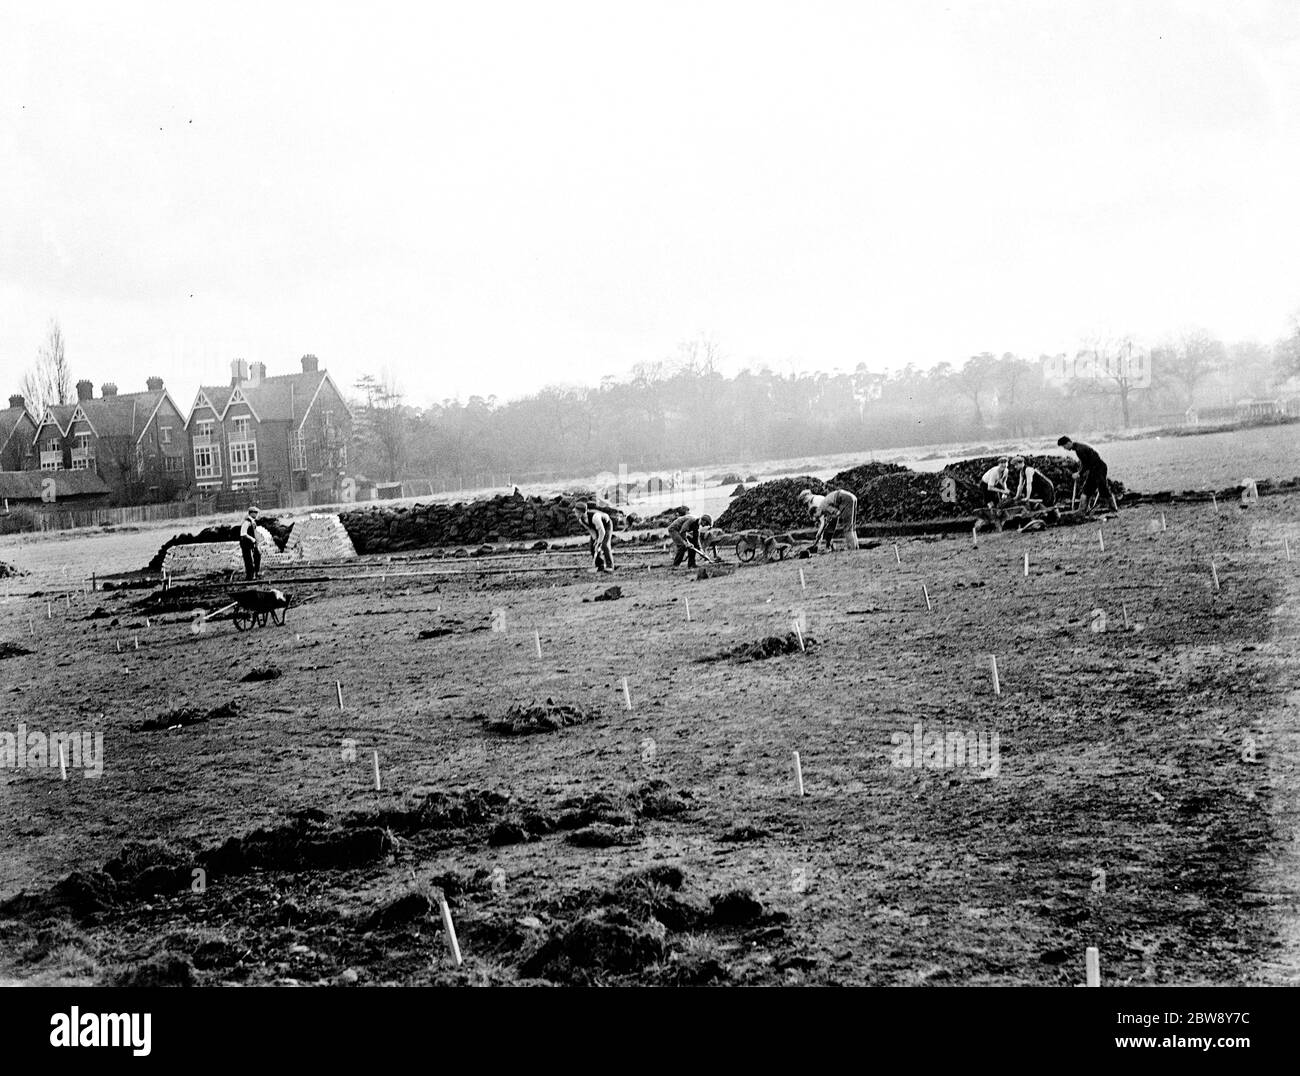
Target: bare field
1134,798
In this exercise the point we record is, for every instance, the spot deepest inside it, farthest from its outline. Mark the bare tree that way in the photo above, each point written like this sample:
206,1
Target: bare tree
1193,357
382,424
1113,367
49,381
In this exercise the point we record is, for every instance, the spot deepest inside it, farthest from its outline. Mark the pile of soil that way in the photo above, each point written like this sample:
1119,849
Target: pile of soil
521,720
8,571
909,495
12,650
1057,469
856,479
184,716
309,842
771,505
770,647
226,532
658,522
261,672
609,594
394,528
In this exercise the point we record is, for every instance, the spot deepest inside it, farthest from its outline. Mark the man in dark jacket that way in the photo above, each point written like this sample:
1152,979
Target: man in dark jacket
685,533
1092,474
248,545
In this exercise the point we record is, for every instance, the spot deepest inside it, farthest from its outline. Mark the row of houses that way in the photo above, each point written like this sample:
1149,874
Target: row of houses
281,438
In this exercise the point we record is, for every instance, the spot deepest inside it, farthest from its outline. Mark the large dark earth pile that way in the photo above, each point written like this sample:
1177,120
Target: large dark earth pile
774,505
226,532
856,479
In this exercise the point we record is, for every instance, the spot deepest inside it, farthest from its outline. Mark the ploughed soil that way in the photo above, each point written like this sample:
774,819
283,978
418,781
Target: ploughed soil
1129,788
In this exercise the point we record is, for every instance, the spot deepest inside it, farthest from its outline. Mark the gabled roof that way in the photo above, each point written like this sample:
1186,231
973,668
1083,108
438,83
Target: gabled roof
10,419
127,414
58,415
29,485
283,398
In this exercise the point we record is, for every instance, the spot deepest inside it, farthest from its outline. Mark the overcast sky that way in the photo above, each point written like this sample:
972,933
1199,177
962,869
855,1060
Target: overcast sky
489,197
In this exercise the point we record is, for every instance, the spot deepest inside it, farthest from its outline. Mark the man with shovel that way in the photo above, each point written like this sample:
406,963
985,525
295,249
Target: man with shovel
837,511
685,533
600,532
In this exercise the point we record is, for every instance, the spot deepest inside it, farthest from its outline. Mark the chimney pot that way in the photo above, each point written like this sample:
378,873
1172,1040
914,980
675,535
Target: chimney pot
85,390
256,372
108,388
310,364
17,401
155,384
238,372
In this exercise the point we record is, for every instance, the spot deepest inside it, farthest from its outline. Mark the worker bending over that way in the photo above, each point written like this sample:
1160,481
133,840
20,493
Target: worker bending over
685,533
993,484
1092,474
600,533
837,511
1032,484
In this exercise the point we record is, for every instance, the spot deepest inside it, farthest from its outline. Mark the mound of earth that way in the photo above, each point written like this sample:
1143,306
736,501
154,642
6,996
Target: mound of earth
226,532
770,647
772,505
12,650
904,496
185,716
1057,469
856,479
8,571
524,720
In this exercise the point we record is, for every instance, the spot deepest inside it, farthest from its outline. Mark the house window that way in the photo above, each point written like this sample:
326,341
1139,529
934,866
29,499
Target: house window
298,451
242,428
165,434
243,457
207,462
329,419
51,456
203,432
172,464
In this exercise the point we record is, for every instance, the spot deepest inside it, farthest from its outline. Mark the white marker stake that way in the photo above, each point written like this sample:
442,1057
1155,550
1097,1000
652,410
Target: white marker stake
146,622
338,687
627,695
378,786
537,639
1101,540
975,536
997,686
1214,572
1124,608
31,626
897,558
688,610
63,764
68,599
1215,499
136,640
1163,525
798,774
799,635
119,645
49,611
1092,961
926,591
802,584
450,928
1026,565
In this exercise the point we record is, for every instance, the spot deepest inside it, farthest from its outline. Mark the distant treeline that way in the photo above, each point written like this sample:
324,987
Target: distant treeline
685,413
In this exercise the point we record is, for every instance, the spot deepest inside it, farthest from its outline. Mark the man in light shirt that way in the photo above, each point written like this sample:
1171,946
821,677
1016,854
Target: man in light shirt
248,545
600,532
836,511
994,484
1032,484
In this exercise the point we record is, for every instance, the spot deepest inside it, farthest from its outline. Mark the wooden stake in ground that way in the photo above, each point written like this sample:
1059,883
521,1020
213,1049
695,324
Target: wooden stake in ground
799,635
1026,565
993,665
338,687
1215,573
378,786
119,645
688,609
627,694
1163,525
31,626
49,611
1092,965
1215,499
537,639
926,591
63,763
897,559
975,536
1124,608
802,584
798,774
450,928
136,640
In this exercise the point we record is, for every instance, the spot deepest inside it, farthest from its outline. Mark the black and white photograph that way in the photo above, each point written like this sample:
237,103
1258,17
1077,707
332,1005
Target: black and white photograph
584,497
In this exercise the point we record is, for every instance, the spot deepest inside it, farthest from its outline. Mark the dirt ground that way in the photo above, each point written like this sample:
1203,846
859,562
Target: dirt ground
1140,795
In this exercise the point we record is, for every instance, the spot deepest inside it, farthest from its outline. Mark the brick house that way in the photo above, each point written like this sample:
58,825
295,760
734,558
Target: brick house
134,441
49,490
285,436
17,435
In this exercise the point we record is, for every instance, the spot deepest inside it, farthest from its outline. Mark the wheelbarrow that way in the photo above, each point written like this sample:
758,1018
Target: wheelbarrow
256,608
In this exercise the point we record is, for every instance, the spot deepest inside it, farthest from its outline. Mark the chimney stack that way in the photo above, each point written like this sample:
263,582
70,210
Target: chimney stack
256,373
85,390
238,372
108,389
155,384
310,364
17,401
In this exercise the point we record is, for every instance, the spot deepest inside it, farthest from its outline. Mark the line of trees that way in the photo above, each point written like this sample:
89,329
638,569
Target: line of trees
683,412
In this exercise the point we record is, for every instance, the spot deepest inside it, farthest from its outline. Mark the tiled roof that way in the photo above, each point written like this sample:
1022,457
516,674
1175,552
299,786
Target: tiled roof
282,398
28,485
10,417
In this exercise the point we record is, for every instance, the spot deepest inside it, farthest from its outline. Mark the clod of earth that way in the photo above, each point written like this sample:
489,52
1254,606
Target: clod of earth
263,672
523,720
12,650
184,716
769,647
610,594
